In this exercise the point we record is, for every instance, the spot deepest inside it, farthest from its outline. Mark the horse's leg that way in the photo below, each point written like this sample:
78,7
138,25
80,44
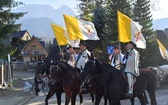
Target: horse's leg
98,98
81,98
73,98
105,100
49,95
152,95
36,86
114,102
142,99
67,96
132,101
146,98
92,96
58,95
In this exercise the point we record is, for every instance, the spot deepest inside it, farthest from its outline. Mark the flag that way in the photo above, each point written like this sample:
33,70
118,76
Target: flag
128,30
163,51
80,29
62,36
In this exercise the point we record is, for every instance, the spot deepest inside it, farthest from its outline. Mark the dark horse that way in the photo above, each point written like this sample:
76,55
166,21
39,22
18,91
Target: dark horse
55,85
41,68
112,83
70,82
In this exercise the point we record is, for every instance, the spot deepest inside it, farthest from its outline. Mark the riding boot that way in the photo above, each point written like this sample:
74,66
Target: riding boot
130,85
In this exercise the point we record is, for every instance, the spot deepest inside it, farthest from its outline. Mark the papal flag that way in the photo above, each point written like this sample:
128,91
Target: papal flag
163,50
80,29
128,30
61,36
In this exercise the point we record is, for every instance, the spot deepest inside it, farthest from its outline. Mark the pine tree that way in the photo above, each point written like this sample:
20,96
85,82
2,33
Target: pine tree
110,36
7,25
142,14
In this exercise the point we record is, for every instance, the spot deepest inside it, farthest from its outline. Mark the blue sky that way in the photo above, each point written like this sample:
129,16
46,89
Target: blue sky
161,12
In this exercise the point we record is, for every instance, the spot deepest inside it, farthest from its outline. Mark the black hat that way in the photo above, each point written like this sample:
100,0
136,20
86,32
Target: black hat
77,47
131,43
83,43
116,47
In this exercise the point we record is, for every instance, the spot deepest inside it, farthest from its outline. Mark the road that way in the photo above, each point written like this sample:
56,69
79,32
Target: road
161,95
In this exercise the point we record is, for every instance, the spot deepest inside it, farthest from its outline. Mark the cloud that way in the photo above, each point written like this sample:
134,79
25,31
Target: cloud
162,10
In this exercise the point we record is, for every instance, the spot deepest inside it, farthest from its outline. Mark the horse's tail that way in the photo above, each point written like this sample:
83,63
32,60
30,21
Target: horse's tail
153,69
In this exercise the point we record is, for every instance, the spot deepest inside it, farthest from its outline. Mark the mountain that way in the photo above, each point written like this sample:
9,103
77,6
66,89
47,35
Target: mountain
38,18
160,24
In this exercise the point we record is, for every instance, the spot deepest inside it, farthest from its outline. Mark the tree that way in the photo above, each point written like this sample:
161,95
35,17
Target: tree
93,11
111,22
142,14
7,25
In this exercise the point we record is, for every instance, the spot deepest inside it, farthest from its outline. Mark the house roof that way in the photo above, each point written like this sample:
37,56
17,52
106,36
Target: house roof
19,34
161,35
42,43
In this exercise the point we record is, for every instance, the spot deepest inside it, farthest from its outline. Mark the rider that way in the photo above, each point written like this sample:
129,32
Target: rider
131,62
83,56
116,58
70,56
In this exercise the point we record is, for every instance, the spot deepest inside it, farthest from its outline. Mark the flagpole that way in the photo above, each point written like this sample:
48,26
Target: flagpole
61,52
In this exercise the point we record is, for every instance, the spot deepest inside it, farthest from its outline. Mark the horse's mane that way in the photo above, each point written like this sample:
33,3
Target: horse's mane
101,64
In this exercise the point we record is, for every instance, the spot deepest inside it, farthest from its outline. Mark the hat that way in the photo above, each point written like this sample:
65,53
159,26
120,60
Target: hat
68,46
116,47
76,47
83,43
131,43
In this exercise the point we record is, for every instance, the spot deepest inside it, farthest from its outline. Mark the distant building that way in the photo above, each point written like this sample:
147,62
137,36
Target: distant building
23,35
161,35
34,50
166,32
30,49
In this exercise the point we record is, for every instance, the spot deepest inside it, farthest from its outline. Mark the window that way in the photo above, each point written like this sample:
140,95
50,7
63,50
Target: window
33,47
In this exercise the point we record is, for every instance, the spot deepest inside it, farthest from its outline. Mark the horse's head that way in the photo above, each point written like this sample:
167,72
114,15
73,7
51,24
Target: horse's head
89,69
54,74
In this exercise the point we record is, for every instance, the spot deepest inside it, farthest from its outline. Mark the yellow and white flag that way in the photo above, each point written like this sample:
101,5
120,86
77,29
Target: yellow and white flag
61,36
128,30
80,29
163,51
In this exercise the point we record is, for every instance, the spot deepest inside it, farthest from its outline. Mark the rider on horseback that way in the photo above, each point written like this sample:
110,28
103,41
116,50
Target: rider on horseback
70,56
116,58
131,62
82,57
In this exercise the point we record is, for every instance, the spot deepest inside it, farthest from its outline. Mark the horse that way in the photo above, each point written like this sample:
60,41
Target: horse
55,85
41,68
70,81
112,83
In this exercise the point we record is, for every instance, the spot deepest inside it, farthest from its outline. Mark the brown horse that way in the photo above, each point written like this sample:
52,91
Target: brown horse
55,85
111,82
70,82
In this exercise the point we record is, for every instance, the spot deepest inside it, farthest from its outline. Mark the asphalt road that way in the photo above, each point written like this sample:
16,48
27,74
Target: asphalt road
161,95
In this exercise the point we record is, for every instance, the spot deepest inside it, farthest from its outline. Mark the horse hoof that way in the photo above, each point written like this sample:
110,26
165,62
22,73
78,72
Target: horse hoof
37,94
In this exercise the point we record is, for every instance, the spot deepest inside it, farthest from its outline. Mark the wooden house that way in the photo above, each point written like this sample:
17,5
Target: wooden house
34,50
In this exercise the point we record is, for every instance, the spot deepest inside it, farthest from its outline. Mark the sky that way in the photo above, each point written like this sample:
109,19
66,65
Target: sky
160,12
